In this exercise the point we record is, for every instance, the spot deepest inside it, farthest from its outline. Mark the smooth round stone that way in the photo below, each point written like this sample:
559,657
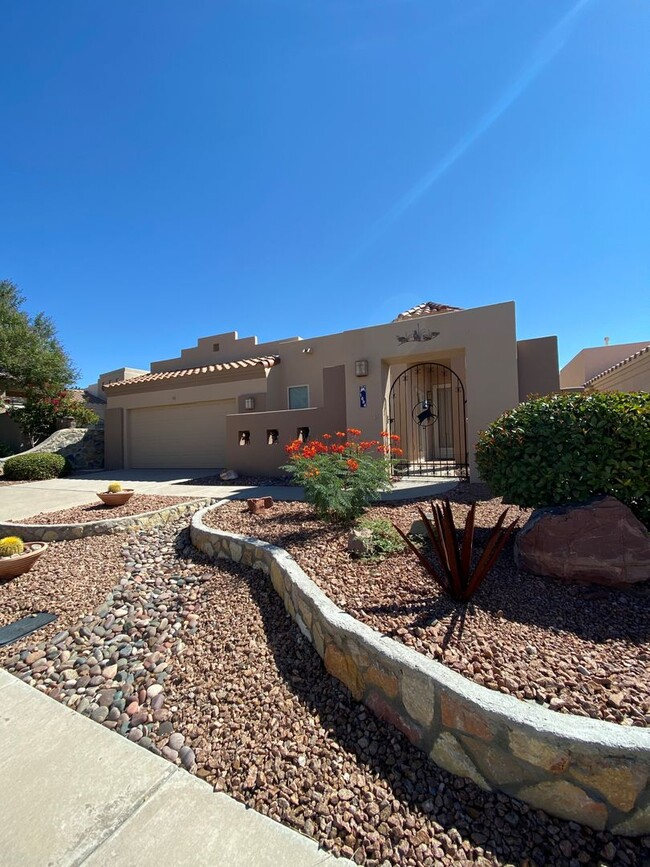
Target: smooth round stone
145,742
166,728
187,757
154,690
114,713
176,741
169,753
135,735
99,714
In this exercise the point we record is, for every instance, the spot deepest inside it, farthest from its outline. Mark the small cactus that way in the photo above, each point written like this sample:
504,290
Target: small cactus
11,545
114,488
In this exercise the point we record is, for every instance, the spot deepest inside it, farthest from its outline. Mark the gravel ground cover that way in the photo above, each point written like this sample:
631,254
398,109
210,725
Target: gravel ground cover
246,481
199,662
574,648
98,511
70,579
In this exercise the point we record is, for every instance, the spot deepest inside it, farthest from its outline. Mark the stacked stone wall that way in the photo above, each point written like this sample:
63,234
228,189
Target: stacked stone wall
106,527
581,769
83,447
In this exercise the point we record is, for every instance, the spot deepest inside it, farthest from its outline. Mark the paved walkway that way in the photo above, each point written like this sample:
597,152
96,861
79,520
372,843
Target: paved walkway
74,793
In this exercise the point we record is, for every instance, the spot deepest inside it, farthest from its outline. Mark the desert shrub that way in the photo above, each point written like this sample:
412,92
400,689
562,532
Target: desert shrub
30,467
341,474
385,539
6,450
569,447
114,488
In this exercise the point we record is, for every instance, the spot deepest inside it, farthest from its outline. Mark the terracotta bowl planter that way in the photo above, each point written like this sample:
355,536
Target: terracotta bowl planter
117,499
16,564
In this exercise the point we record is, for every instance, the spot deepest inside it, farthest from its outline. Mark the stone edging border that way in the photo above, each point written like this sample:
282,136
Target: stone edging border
108,526
578,768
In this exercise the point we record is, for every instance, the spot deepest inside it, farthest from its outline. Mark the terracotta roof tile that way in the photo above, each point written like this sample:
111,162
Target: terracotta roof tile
620,364
427,309
265,361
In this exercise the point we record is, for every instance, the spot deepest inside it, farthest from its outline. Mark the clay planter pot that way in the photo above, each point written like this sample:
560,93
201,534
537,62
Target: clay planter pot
17,564
117,499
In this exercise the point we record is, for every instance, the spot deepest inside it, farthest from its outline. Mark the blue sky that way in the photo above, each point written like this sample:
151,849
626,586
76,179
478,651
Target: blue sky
171,170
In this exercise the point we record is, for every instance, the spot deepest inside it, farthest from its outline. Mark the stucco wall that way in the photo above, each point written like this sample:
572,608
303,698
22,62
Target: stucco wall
537,366
260,457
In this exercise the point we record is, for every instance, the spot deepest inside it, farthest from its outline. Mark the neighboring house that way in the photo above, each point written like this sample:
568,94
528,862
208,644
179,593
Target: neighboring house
621,367
435,376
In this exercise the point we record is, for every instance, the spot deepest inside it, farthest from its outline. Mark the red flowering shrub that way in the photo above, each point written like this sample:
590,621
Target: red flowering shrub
341,478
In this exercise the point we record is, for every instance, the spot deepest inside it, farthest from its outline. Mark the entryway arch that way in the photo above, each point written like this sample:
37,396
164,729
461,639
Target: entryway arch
427,410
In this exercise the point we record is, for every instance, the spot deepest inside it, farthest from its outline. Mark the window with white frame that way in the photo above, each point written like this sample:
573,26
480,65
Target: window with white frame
298,396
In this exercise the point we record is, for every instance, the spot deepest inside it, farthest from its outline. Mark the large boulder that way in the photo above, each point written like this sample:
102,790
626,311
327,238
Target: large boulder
599,541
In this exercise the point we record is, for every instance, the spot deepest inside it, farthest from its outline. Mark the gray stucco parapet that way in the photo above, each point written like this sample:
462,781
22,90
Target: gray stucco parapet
591,771
107,526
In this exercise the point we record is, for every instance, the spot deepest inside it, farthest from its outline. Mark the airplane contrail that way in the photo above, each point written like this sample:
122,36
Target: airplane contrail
547,49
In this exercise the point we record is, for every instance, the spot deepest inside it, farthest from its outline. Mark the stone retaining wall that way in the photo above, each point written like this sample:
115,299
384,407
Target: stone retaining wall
83,447
577,768
108,526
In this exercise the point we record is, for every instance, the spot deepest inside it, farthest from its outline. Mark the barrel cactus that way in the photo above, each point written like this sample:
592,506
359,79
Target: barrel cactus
114,488
11,545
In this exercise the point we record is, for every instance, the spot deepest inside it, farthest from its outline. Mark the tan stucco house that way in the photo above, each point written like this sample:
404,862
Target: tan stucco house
616,367
436,375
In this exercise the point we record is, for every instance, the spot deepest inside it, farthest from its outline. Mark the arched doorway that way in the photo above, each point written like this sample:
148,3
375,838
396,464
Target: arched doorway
426,409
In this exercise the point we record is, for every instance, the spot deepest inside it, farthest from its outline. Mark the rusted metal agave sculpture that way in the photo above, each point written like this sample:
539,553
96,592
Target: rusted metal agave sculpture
457,578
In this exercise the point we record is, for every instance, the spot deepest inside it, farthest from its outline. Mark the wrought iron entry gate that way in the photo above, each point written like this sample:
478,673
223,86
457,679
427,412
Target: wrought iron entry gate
426,409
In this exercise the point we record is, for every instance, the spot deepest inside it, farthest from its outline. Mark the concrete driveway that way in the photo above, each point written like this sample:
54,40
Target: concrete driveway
51,495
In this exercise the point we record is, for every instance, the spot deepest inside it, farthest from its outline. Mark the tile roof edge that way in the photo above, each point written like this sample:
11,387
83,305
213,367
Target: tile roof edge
618,364
265,361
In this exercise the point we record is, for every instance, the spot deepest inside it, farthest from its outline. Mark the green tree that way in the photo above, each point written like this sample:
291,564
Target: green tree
39,366
29,348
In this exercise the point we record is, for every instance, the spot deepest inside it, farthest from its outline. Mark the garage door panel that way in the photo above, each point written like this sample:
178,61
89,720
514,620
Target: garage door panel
186,435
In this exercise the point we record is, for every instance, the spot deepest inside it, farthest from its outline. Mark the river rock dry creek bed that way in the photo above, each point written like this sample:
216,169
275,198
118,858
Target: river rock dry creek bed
198,661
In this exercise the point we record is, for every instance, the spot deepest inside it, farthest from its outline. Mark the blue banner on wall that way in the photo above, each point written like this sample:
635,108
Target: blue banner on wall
362,396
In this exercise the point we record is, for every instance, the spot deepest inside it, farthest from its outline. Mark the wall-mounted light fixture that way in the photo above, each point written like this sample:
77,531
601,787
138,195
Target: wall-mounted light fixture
361,367
249,403
307,350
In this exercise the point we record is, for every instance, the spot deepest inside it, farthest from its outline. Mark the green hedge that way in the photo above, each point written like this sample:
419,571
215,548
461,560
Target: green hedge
568,447
39,465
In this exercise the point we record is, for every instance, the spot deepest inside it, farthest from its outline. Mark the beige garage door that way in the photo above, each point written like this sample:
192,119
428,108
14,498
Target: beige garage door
187,435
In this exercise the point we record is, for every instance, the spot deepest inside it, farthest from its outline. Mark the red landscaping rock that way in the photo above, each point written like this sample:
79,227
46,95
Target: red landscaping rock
599,541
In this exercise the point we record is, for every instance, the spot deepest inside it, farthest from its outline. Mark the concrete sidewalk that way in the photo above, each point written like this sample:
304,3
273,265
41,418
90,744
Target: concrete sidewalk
75,793
51,495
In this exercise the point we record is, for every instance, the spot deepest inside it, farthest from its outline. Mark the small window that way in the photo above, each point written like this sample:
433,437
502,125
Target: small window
244,437
272,437
215,347
302,434
298,396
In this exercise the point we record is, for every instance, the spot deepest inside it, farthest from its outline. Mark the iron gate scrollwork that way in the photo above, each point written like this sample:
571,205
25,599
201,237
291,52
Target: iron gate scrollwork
426,409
